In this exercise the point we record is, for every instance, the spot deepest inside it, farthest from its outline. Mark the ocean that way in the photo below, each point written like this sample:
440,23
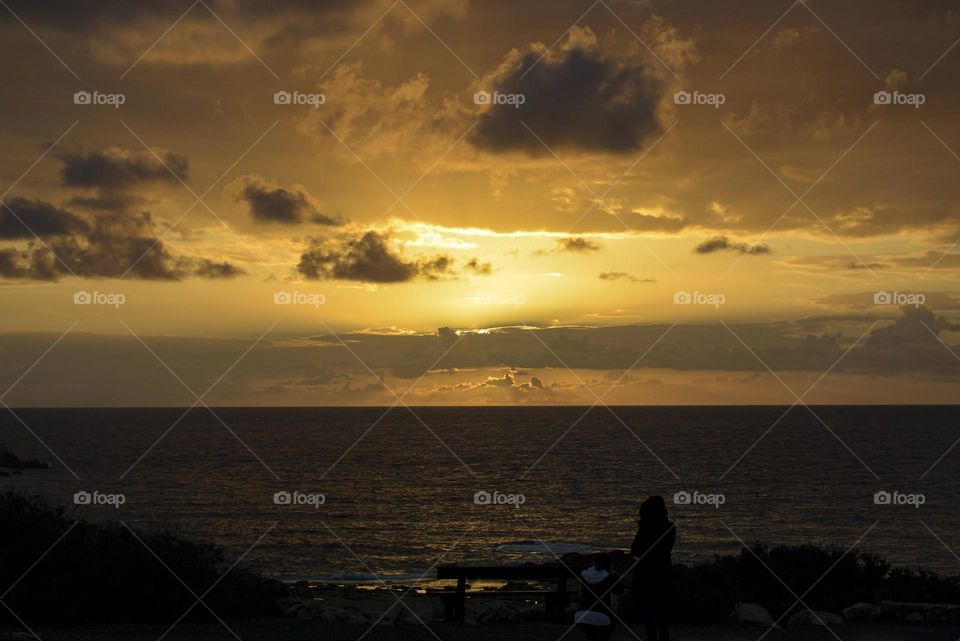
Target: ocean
360,494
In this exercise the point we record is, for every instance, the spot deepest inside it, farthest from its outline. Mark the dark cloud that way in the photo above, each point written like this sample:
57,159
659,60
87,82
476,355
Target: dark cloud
269,202
22,219
480,268
205,268
370,258
106,201
624,276
106,247
854,264
574,98
907,344
577,244
722,243
117,169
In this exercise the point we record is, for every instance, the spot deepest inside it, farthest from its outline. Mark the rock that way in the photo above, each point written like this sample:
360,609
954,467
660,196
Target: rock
862,612
752,613
914,617
497,611
11,461
807,619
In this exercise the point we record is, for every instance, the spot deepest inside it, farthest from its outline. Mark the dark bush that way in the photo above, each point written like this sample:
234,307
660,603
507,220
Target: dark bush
101,573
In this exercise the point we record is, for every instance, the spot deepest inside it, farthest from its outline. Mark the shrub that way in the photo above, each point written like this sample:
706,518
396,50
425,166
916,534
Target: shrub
100,573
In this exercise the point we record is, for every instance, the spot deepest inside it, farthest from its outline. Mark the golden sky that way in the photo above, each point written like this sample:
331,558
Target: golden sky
479,202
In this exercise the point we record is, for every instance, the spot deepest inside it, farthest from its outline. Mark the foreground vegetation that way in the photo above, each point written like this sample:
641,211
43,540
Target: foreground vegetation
101,573
104,573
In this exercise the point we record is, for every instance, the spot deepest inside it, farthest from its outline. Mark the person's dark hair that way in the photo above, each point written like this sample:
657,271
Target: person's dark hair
603,561
654,508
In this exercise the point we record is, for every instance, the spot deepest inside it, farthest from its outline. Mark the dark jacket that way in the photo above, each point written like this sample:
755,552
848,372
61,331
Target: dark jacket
653,544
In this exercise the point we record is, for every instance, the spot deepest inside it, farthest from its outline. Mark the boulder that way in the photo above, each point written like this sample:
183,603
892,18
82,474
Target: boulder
752,613
862,612
807,619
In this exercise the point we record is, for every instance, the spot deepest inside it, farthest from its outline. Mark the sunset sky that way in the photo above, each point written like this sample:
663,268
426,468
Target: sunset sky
587,233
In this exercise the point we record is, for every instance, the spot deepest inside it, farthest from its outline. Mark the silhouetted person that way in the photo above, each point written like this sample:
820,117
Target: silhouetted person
653,574
597,583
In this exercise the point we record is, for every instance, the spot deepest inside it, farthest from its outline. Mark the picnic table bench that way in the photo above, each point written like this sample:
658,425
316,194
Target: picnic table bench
555,602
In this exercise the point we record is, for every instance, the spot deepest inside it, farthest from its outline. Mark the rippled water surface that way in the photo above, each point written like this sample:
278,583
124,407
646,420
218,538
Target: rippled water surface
399,487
